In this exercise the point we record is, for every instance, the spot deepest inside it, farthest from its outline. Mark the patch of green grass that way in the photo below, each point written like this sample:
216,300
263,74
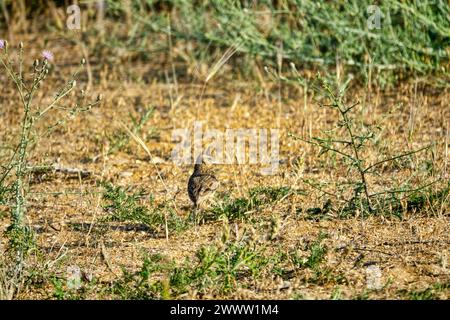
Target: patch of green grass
269,194
216,269
234,208
430,293
140,285
120,139
317,252
298,296
316,255
21,239
59,292
336,294
318,213
422,200
411,38
364,295
219,268
326,275
126,206
240,208
62,291
427,294
352,140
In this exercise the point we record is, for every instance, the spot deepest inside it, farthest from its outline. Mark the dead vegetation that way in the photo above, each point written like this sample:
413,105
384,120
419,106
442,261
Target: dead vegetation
104,197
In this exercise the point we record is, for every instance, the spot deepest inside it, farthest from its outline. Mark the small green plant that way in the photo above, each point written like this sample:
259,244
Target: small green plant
426,294
364,295
317,252
32,113
336,294
421,199
318,213
240,208
120,139
140,285
350,140
59,292
27,82
430,293
216,269
125,206
219,267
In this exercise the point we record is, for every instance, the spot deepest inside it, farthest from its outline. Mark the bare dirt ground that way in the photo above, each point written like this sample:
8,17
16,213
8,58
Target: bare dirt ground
65,210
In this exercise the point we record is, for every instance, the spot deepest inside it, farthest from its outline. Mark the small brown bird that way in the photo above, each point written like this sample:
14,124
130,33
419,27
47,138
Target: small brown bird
202,184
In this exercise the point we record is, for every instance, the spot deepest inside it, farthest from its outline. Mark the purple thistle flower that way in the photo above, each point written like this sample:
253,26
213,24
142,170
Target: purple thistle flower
2,44
47,55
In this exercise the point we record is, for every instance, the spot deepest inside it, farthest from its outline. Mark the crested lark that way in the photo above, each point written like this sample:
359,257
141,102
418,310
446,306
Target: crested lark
202,184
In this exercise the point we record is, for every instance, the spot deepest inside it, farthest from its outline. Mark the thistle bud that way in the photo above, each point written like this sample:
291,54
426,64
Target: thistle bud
21,45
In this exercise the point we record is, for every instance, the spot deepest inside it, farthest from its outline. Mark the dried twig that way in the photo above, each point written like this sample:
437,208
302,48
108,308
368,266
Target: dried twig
59,169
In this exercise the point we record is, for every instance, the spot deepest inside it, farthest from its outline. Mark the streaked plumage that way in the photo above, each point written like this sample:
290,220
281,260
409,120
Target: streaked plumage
201,185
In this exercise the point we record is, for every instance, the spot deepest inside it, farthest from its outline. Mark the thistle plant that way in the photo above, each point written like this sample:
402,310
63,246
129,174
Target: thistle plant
350,140
13,173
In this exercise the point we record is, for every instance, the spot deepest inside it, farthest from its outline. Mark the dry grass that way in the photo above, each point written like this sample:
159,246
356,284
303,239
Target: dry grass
66,210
